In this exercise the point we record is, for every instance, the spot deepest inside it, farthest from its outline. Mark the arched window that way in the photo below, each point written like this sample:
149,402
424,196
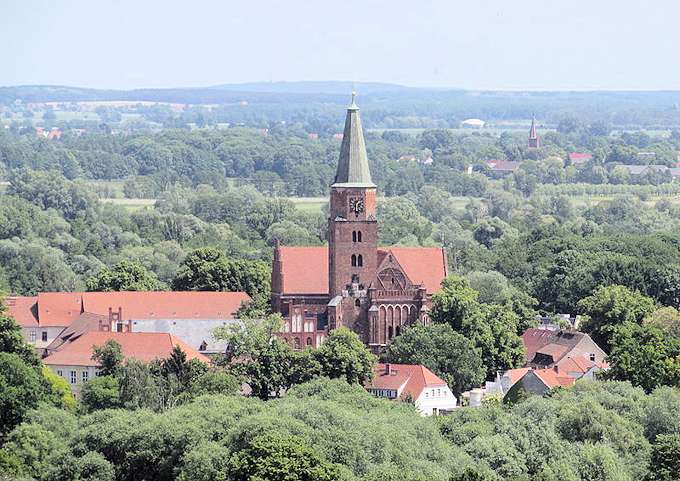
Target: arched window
309,341
357,303
360,260
296,343
354,260
389,332
398,329
358,236
354,236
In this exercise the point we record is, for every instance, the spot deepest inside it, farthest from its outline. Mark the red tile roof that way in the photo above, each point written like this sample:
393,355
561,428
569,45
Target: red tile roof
414,378
516,374
503,165
557,343
305,269
552,379
60,309
579,158
23,309
144,346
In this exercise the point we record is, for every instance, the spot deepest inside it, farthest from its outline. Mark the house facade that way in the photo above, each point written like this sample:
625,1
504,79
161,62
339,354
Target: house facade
73,360
430,394
374,291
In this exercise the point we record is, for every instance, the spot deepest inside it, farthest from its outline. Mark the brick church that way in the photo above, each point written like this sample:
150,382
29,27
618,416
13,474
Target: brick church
375,291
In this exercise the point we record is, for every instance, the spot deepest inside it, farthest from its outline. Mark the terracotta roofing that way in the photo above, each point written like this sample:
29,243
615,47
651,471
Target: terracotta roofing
144,346
536,340
23,309
353,161
552,379
84,323
60,309
503,165
413,378
579,158
305,269
515,374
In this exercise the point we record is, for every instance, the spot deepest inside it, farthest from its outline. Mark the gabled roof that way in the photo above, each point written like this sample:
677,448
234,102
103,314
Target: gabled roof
555,342
60,309
515,375
579,158
413,379
144,346
24,310
305,269
552,379
353,162
503,165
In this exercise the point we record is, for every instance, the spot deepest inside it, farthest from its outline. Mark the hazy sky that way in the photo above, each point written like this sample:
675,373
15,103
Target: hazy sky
479,44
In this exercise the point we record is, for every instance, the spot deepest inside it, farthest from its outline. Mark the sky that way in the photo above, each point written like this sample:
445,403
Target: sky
473,44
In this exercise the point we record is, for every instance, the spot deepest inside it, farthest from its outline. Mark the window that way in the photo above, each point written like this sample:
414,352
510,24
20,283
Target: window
389,332
44,336
84,376
354,260
309,341
359,236
354,236
60,372
74,377
592,357
296,344
357,303
31,336
360,260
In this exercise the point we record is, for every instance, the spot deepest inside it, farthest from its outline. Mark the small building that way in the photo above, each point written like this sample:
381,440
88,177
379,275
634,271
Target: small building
578,158
547,348
73,361
539,382
502,167
430,394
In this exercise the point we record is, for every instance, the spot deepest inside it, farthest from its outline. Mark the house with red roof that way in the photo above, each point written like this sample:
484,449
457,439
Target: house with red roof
374,291
73,360
51,318
430,394
578,158
499,168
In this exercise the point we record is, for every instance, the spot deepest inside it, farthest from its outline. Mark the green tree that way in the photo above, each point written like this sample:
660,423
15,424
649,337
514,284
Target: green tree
611,306
215,382
102,392
109,356
60,390
275,457
124,276
21,389
208,269
343,355
447,353
12,341
665,462
645,356
454,302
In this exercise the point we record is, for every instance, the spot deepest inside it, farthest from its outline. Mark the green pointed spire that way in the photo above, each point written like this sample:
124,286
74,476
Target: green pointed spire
353,162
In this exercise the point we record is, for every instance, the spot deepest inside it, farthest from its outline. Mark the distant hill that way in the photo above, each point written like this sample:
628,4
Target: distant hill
316,87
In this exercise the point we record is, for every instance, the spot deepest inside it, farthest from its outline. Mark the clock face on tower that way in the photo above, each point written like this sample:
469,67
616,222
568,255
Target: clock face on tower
356,205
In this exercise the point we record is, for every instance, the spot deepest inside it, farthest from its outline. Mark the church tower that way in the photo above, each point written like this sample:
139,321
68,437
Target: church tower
534,141
352,224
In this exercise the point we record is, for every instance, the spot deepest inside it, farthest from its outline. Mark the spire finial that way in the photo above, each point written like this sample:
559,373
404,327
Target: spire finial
353,105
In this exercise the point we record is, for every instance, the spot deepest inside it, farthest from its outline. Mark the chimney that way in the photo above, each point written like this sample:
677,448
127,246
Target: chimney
388,369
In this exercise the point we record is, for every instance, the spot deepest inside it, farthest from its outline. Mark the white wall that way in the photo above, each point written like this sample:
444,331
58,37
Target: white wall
435,398
34,335
65,372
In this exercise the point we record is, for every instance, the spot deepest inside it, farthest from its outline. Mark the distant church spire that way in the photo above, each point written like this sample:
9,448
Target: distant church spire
353,162
534,141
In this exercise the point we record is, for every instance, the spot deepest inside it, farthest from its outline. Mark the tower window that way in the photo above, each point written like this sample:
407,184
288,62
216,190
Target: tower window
357,303
354,260
354,236
358,236
360,260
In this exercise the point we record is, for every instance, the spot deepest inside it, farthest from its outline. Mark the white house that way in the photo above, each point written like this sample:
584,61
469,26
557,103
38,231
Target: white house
430,394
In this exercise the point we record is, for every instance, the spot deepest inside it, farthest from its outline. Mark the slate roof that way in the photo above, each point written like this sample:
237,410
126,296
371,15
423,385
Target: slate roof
60,309
144,346
305,269
414,378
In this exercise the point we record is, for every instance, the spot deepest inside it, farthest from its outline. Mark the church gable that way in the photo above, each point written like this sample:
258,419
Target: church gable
390,274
